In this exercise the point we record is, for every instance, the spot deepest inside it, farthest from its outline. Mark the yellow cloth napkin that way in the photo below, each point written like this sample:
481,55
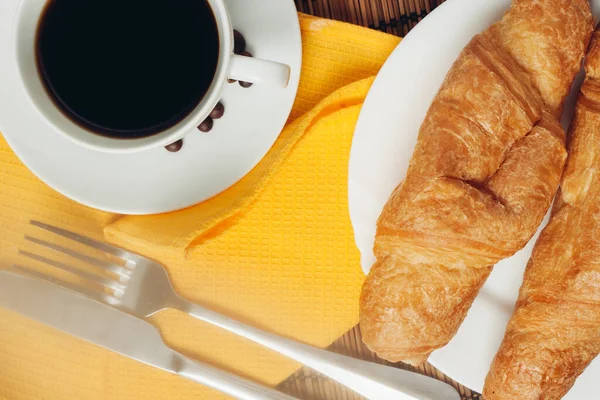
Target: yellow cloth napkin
276,250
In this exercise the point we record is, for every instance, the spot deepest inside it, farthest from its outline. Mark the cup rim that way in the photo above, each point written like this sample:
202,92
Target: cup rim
34,88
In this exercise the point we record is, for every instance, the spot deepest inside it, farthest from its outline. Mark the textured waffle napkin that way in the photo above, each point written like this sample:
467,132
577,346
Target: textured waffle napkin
275,251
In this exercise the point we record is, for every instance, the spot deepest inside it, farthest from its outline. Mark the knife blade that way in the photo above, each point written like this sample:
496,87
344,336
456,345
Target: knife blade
116,331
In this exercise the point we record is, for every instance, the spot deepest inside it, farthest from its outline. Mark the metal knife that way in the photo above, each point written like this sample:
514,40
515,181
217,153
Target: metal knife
117,331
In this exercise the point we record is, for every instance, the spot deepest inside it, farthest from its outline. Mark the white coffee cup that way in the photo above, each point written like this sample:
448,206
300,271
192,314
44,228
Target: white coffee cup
230,66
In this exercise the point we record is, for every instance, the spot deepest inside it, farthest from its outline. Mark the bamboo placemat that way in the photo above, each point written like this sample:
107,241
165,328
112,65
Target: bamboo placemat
396,17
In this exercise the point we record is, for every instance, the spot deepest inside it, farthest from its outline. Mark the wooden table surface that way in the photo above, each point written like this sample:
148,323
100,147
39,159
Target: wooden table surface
396,17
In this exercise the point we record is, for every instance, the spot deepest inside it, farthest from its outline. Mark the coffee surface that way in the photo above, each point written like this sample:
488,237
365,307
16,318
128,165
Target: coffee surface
127,68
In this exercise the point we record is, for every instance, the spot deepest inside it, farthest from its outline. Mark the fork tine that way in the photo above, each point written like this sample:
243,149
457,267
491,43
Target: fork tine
116,269
89,293
106,282
105,247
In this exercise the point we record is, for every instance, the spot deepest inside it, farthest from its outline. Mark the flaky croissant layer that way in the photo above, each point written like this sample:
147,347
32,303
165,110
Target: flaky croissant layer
486,166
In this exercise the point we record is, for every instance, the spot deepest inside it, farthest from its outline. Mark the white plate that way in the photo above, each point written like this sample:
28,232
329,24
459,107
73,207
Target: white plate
158,181
383,144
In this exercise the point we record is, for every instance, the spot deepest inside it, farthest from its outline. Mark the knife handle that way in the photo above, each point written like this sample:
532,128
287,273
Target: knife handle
226,382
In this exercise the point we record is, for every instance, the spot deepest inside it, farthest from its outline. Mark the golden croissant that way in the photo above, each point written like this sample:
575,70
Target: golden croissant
554,332
488,162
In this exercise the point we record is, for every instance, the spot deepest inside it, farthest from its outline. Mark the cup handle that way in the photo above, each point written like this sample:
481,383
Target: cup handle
255,70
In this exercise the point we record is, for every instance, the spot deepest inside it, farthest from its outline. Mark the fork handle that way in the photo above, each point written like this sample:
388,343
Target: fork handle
371,380
225,382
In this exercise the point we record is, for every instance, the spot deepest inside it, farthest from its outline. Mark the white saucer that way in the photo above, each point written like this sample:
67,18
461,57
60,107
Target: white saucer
157,181
383,144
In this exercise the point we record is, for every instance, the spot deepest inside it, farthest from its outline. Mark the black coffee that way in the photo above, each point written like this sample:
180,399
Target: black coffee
127,68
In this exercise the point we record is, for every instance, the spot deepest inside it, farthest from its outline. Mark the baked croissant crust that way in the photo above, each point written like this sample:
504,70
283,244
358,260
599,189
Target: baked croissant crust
554,332
488,161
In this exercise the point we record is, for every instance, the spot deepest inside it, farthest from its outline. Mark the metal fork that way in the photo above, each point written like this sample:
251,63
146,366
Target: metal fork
142,287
